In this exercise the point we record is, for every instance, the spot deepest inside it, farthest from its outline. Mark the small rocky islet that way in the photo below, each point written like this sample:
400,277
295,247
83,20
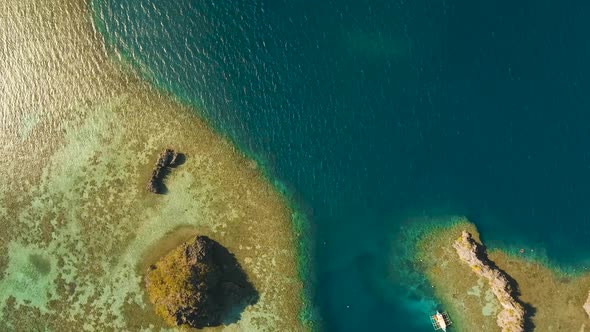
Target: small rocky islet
167,159
199,284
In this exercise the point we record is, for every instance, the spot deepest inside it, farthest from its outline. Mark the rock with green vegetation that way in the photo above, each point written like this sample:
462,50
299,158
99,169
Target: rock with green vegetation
199,284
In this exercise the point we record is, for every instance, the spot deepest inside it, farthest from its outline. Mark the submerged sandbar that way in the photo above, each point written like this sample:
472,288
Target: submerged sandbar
553,300
77,222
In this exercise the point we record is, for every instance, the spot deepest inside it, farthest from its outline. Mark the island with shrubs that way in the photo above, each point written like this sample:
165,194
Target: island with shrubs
199,284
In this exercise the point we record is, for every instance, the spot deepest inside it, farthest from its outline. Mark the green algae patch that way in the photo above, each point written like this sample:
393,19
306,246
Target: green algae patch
553,300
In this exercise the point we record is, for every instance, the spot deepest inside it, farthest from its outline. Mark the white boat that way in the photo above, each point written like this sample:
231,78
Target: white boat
440,321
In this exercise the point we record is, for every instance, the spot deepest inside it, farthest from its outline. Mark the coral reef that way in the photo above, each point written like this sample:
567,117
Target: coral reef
167,159
83,235
511,318
199,284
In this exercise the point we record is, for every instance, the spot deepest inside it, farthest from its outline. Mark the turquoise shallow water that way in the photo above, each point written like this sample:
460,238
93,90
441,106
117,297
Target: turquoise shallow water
371,111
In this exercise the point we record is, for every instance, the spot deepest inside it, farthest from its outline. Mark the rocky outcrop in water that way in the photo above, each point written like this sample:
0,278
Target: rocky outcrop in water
199,284
167,159
587,305
511,318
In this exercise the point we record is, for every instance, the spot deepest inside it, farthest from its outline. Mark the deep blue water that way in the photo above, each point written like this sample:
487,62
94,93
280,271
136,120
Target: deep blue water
372,110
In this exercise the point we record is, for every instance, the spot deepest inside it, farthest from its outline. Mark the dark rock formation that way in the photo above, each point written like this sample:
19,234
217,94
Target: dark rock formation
199,284
167,159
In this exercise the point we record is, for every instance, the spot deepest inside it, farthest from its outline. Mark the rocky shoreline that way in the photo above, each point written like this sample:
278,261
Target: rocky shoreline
512,317
552,299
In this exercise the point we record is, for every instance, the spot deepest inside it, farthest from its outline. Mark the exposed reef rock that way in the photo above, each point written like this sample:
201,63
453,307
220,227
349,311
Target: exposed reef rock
511,318
587,305
199,284
167,159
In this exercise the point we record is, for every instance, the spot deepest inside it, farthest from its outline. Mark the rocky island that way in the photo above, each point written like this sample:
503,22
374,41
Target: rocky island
168,158
199,284
490,290
511,318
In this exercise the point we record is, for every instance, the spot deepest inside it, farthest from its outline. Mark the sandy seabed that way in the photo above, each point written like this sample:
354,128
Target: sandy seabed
80,136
